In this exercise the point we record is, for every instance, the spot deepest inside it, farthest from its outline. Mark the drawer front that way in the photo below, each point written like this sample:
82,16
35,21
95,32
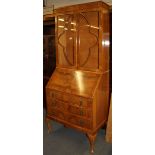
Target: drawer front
56,113
74,109
75,100
79,122
80,111
59,96
54,103
81,101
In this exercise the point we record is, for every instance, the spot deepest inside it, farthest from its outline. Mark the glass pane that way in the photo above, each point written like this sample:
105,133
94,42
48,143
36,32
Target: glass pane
88,40
66,40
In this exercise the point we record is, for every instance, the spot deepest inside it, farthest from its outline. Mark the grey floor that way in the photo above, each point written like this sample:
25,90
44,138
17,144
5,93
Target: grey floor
66,141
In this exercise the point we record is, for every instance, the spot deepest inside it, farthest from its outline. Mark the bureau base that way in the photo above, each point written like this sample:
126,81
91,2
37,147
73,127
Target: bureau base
89,134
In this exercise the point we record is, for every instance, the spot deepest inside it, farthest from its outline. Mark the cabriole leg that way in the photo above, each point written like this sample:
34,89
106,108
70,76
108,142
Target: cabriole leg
91,138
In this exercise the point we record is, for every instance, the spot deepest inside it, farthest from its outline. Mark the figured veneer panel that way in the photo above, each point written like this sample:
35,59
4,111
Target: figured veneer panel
84,123
57,114
81,101
74,82
102,100
80,111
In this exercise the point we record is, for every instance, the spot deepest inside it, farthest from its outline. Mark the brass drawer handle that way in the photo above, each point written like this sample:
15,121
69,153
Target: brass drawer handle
81,102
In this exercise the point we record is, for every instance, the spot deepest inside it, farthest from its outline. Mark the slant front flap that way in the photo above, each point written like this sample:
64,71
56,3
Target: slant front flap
74,82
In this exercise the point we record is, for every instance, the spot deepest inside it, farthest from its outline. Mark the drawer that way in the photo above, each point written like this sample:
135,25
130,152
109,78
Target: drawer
54,103
79,122
81,101
56,113
79,111
59,96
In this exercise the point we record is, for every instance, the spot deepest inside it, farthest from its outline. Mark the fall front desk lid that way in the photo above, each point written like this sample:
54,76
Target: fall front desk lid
74,82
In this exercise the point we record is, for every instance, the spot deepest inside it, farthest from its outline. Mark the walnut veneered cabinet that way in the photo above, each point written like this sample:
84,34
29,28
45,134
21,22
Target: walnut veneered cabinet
77,93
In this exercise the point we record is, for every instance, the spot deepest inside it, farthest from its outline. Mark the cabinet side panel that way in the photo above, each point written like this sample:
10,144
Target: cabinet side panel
102,97
105,43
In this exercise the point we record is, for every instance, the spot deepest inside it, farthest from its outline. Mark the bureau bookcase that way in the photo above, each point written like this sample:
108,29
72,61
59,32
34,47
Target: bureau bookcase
77,93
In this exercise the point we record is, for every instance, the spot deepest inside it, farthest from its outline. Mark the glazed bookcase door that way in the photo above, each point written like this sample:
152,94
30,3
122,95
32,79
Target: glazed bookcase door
88,40
66,39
